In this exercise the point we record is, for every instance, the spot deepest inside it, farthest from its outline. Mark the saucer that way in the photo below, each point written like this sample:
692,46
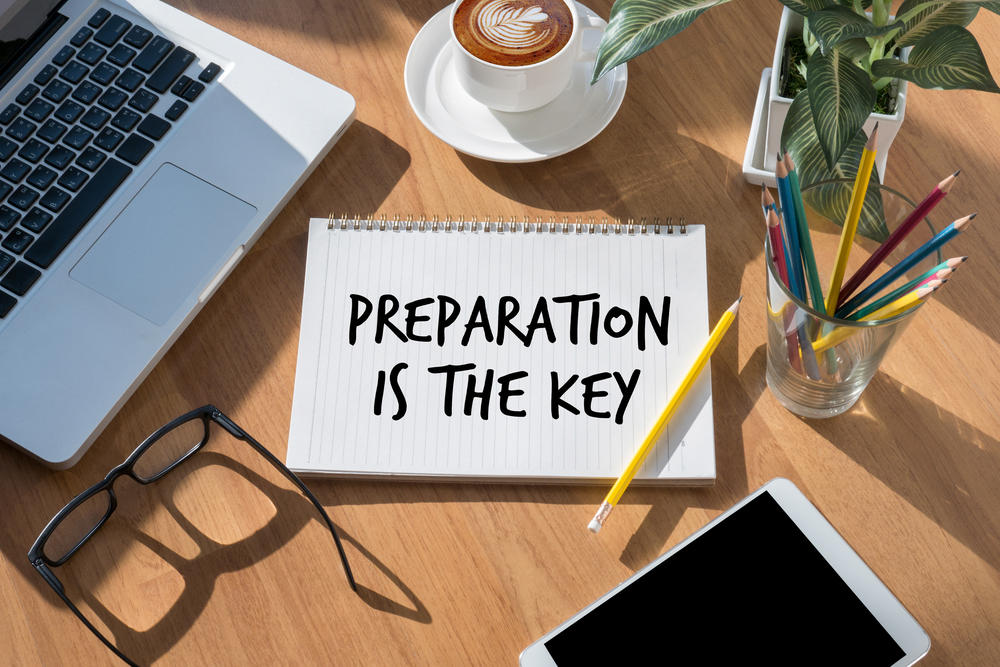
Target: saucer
568,122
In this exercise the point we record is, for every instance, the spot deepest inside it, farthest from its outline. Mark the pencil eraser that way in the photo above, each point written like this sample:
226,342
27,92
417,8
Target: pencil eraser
594,526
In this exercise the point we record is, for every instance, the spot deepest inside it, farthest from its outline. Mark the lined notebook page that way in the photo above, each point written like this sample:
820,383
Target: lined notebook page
335,430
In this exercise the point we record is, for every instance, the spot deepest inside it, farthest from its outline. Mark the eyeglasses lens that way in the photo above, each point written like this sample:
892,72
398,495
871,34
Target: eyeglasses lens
171,447
76,525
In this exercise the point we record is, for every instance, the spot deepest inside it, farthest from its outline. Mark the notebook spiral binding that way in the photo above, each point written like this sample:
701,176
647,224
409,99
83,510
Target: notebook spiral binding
509,225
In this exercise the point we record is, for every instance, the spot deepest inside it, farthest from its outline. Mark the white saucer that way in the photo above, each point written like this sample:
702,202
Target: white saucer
568,122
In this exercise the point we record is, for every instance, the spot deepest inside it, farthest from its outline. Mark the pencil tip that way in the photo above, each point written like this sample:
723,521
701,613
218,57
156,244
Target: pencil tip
957,172
735,308
973,216
875,129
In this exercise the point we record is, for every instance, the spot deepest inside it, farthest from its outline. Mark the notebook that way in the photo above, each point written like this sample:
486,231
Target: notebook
500,351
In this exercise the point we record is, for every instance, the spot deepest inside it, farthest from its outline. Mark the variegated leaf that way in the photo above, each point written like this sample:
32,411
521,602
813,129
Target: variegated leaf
635,26
799,138
841,99
803,7
947,58
932,17
833,25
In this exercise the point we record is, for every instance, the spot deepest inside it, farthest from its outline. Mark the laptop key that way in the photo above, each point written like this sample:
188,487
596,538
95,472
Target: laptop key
109,139
7,148
39,110
51,131
172,67
91,54
73,179
5,262
90,159
74,72
5,189
130,80
176,109
121,55
137,36
78,137
23,197
57,90
36,220
59,157
42,177
126,119
9,113
8,216
27,94
65,53
69,111
99,17
150,57
113,30
95,118
81,36
7,302
209,73
153,126
45,74
87,92
193,91
55,199
77,213
143,100
112,99
15,171
104,74
17,241
33,150
182,83
20,278
134,149
21,129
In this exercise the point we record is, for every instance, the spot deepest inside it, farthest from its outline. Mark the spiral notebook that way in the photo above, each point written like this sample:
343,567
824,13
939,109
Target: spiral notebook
500,351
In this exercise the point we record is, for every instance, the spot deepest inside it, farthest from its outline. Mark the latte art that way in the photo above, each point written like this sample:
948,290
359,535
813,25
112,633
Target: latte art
513,32
511,27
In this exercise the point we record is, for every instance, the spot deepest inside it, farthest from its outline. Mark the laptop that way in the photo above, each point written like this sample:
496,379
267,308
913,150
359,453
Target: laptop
142,152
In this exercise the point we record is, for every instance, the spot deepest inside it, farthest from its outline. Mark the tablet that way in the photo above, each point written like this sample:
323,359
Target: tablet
770,581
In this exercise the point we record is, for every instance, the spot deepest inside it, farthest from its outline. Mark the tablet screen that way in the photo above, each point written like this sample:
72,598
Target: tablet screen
752,590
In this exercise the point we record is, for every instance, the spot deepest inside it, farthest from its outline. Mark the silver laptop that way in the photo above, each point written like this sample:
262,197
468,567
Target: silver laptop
142,152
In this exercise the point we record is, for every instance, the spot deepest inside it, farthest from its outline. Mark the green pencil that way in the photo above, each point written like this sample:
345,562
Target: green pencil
805,241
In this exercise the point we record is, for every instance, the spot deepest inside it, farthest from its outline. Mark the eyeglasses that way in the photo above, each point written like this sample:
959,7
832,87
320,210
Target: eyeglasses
159,454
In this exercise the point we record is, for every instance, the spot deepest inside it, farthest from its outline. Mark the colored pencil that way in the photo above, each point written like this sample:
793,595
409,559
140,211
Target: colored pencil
851,222
890,276
897,235
778,258
766,200
615,494
805,238
911,300
796,279
939,272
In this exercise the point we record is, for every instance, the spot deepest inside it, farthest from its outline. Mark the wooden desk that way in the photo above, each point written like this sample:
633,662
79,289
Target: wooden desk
212,571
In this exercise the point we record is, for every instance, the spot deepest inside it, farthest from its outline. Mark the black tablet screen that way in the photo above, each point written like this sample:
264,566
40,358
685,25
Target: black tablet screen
752,590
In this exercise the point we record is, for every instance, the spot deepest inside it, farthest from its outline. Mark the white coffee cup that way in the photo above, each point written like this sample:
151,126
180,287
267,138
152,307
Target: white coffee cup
517,87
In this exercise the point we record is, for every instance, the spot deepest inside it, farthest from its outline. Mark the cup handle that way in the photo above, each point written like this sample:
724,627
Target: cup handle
589,23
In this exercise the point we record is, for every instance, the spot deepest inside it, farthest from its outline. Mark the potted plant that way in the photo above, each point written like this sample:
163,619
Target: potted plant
849,58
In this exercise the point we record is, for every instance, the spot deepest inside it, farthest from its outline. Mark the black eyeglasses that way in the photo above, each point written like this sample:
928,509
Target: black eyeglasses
161,452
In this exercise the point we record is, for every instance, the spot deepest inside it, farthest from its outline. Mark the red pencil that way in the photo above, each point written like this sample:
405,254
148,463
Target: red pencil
898,234
778,257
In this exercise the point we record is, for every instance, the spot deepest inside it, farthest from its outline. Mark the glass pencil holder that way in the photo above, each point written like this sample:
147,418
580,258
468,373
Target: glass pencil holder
818,365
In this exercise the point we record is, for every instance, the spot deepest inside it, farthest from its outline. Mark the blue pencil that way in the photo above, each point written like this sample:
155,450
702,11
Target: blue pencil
887,278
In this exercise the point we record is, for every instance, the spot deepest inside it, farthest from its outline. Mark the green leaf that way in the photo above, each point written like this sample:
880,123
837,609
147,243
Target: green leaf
803,7
799,138
841,99
837,24
855,49
948,58
635,26
849,4
932,17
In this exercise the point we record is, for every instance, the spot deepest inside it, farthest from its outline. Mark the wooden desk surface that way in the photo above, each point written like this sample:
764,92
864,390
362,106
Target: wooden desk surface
204,568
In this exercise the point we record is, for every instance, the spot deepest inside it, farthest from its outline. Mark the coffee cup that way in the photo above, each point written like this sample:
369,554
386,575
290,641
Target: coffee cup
515,55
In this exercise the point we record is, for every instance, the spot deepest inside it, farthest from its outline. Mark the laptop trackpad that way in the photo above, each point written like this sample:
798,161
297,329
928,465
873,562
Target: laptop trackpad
166,245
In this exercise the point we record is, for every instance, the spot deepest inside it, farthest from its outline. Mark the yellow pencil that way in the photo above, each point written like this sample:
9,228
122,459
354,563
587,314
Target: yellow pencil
890,310
851,223
615,494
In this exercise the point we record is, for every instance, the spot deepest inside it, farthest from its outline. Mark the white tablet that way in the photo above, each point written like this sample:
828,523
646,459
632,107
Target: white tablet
769,582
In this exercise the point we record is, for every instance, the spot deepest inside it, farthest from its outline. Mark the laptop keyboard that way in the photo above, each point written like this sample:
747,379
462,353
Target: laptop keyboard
72,137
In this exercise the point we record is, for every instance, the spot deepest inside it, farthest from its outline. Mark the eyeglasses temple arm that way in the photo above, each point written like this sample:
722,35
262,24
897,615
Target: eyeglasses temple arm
52,580
238,433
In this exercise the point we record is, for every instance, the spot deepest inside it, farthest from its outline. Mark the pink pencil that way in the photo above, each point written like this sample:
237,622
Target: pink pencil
898,234
778,257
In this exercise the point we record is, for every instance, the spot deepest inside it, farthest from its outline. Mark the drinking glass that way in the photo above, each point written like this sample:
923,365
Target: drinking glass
817,365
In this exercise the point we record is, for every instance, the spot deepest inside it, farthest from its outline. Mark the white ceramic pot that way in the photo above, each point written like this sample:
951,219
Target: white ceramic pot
777,106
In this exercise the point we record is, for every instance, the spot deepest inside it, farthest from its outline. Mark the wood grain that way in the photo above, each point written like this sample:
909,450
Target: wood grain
226,564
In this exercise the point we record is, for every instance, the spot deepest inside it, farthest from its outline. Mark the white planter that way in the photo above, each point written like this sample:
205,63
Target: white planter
777,106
